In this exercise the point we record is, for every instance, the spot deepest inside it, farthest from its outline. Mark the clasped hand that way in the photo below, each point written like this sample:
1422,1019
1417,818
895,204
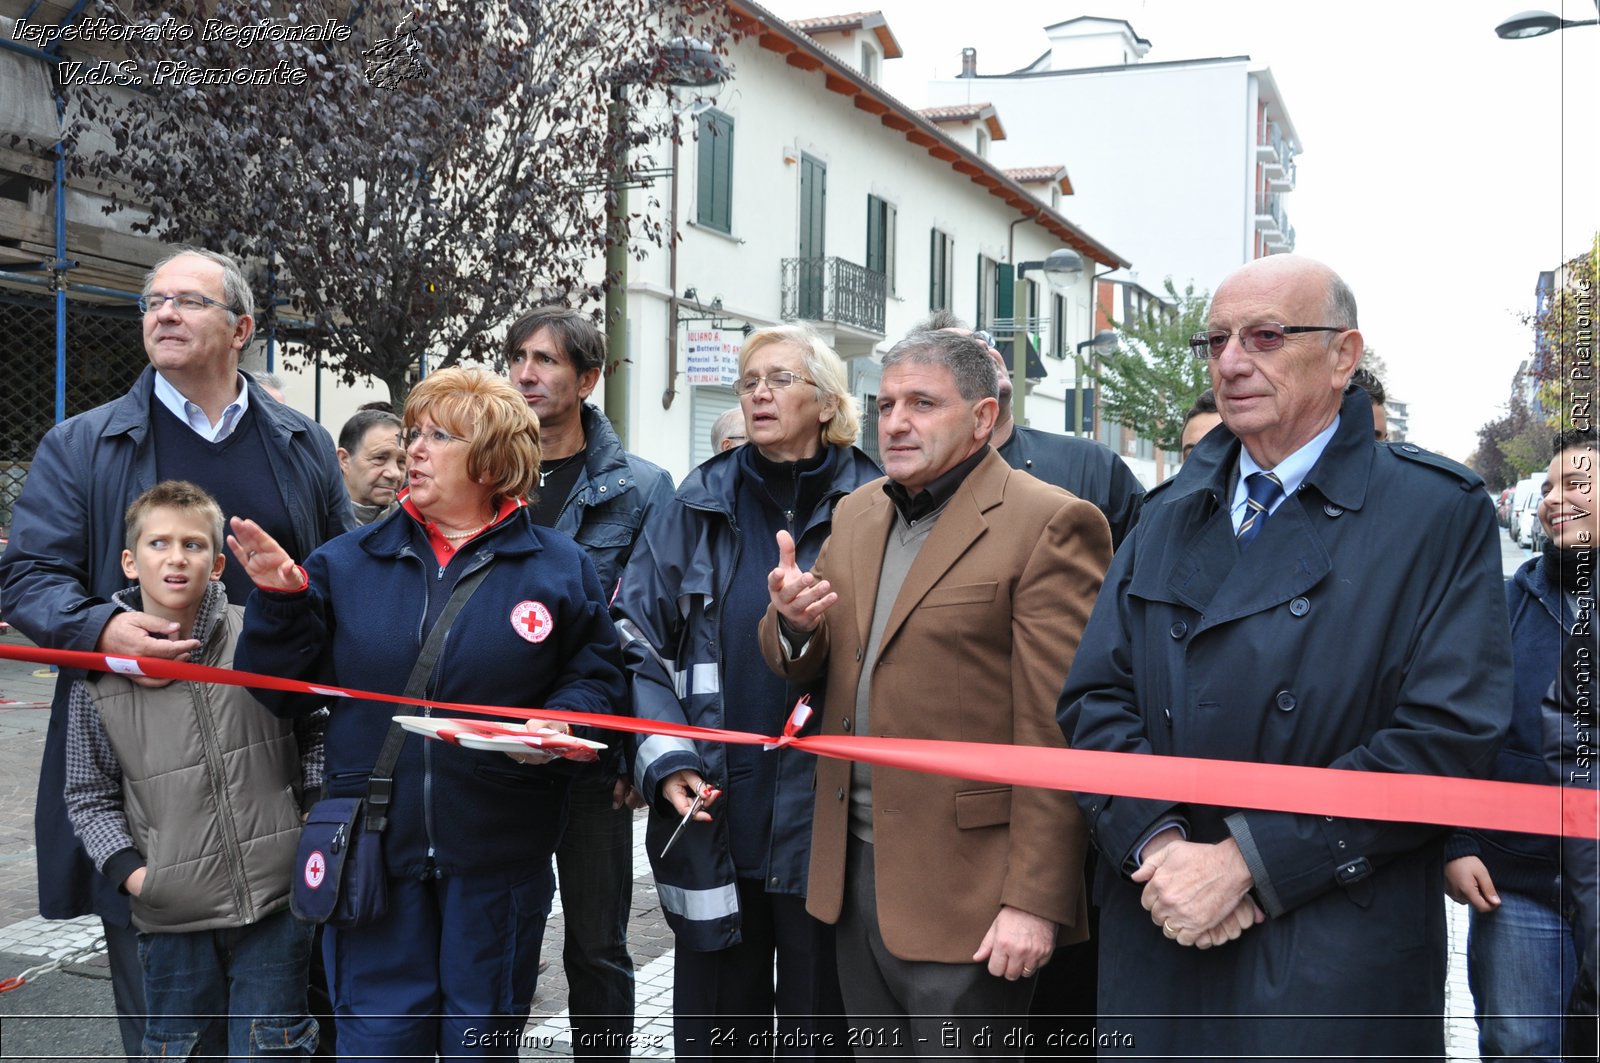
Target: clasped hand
1197,893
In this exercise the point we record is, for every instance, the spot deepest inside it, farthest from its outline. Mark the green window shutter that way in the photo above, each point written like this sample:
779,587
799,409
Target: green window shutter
714,179
875,234
1005,285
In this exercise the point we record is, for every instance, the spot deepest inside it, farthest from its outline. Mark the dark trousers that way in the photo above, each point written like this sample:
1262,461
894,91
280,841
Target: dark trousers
594,865
1064,998
127,986
910,1008
448,971
320,1003
236,993
723,1002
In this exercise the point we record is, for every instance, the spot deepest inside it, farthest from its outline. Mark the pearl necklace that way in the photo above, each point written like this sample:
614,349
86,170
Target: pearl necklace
456,537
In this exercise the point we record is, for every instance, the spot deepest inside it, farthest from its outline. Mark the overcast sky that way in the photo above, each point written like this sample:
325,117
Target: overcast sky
1443,168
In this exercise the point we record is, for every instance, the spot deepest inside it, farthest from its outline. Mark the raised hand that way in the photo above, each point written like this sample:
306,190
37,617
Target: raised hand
800,597
268,565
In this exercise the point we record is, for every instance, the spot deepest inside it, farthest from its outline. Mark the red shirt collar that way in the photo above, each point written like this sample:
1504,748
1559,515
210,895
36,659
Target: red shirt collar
444,550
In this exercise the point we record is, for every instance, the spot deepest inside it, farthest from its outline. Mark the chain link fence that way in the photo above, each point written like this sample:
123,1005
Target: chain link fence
105,353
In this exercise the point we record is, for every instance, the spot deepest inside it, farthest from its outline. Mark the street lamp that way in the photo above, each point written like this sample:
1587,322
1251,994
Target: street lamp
684,62
1537,24
1104,342
1061,268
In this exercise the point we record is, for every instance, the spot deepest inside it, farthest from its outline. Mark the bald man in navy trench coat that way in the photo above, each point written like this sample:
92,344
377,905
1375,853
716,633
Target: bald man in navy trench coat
1365,629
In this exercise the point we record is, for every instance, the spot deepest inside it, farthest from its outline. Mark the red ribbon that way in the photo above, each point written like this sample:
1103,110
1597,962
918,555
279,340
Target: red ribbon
1522,807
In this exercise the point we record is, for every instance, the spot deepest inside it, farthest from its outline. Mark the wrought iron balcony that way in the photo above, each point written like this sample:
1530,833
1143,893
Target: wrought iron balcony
834,291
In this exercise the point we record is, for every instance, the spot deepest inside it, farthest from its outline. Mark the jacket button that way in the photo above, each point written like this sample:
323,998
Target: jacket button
1286,702
844,724
840,794
622,482
602,488
1332,510
1179,629
1300,606
1411,448
773,881
858,654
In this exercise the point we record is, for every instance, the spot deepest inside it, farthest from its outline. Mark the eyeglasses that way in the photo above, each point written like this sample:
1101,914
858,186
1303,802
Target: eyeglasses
1265,336
776,381
186,302
436,437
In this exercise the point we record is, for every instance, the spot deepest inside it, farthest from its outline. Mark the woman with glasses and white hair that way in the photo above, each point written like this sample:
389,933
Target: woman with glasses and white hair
449,968
732,883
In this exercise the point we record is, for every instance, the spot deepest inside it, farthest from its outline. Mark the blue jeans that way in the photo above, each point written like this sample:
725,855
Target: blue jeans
595,865
448,971
1521,962
238,992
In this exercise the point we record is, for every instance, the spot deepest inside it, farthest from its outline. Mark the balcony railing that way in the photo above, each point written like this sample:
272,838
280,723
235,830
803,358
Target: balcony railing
1270,215
833,290
1282,179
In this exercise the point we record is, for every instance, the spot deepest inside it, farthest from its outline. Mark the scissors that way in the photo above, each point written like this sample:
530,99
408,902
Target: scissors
703,797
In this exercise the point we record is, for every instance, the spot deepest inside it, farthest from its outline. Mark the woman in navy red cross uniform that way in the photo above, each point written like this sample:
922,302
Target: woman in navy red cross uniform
450,969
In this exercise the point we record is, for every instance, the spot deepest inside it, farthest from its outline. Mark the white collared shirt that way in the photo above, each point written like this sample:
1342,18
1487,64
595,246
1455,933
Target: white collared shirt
196,418
1291,472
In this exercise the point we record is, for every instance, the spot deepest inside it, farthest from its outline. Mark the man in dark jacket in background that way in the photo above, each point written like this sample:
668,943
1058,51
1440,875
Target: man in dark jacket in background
1086,467
1521,955
192,415
1297,594
601,495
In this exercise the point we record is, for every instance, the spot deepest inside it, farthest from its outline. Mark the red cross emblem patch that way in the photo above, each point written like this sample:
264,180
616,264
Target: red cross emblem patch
532,621
316,869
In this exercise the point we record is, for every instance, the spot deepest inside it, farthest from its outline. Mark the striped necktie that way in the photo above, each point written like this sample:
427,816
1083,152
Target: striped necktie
1262,489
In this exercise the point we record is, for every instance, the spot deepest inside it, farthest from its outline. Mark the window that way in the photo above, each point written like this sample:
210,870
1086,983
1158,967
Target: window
983,143
989,306
868,440
881,239
714,197
869,62
1058,320
941,271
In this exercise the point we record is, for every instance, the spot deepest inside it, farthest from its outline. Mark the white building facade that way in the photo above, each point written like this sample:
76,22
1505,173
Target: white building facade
1183,166
811,194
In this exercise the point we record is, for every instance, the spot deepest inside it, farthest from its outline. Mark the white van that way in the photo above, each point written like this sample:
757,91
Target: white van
1524,509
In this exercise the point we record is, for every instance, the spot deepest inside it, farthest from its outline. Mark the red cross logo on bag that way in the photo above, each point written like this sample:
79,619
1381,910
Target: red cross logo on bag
316,869
532,621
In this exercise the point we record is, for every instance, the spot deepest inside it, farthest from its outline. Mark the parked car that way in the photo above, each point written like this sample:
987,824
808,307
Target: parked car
1502,507
1524,506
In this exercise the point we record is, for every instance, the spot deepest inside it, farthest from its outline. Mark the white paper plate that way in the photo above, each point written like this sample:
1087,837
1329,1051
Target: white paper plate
487,734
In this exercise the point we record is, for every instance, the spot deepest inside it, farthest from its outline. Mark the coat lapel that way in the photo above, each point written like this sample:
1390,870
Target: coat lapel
959,526
867,541
1287,559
